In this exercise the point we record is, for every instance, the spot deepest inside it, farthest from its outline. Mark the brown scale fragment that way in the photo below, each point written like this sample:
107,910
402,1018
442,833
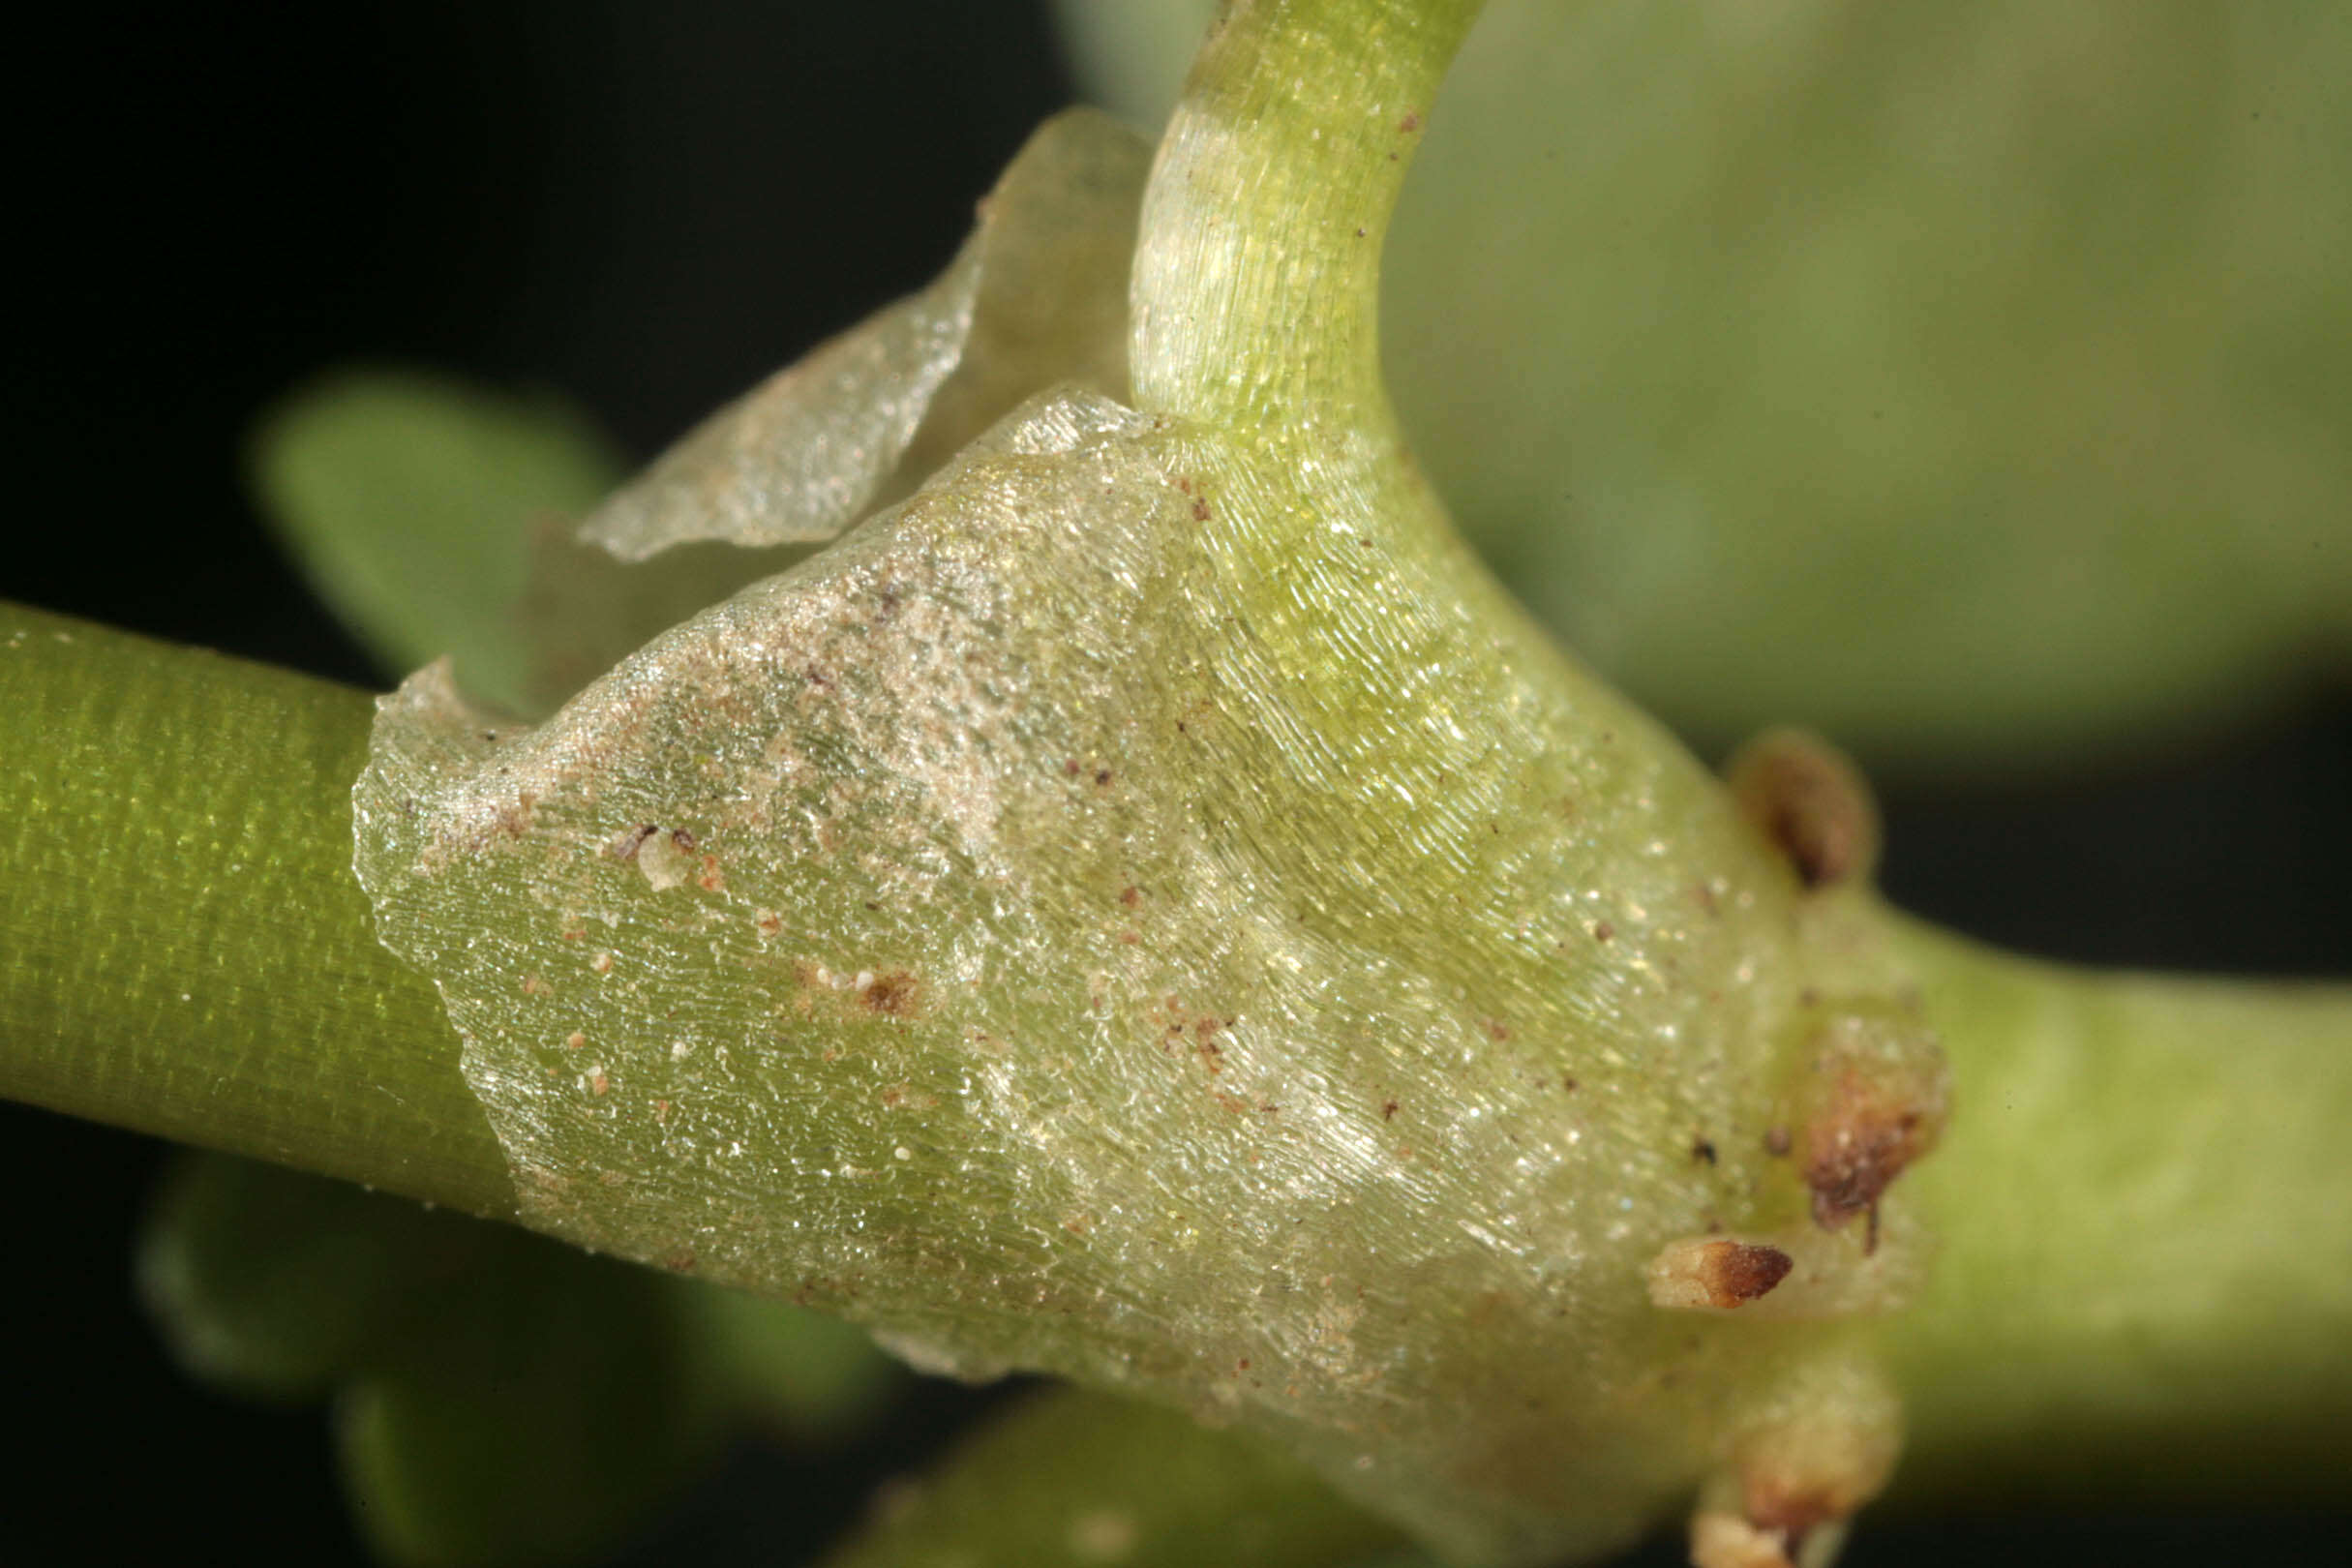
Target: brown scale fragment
1864,1136
1810,803
1717,1272
1875,1100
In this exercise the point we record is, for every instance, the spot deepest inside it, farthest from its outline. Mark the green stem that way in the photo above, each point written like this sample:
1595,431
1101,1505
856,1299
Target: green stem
1261,229
2144,1205
183,948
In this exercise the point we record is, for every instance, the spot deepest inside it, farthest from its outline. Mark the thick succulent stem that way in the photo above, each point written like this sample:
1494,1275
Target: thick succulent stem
2144,1231
184,949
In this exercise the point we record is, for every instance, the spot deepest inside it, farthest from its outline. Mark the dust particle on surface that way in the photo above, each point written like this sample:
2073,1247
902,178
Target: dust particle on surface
1388,1110
625,843
1703,1151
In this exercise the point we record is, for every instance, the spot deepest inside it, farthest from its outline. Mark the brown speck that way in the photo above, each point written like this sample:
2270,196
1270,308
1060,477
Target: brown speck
1388,1110
1132,939
1072,768
683,838
1232,1102
1777,1142
575,1039
679,1262
533,985
598,1083
1603,931
770,922
1130,896
1410,123
1359,234
602,963
1242,1365
1568,1082
893,995
623,847
1703,1151
1804,797
817,677
1102,776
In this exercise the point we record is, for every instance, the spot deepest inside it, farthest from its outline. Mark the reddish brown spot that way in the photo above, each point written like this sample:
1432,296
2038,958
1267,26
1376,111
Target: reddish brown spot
817,677
893,995
1102,776
683,838
1388,1110
575,1039
1603,931
1734,1273
1200,510
1496,1028
1073,768
1132,938
1777,1142
1130,896
1243,1365
679,1262
1410,123
1810,803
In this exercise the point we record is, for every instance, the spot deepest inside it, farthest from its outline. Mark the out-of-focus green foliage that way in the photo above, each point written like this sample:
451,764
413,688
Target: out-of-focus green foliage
1973,384
499,1398
412,502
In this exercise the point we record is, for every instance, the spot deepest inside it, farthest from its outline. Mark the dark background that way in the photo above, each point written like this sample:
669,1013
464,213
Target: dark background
646,207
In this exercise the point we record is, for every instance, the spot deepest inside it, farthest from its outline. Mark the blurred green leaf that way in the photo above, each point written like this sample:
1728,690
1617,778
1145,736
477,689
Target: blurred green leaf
410,500
1969,384
501,1398
1076,1478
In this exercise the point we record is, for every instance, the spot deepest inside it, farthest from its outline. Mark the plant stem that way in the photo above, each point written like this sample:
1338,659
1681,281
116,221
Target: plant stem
2144,1205
184,949
2141,1199
1268,202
